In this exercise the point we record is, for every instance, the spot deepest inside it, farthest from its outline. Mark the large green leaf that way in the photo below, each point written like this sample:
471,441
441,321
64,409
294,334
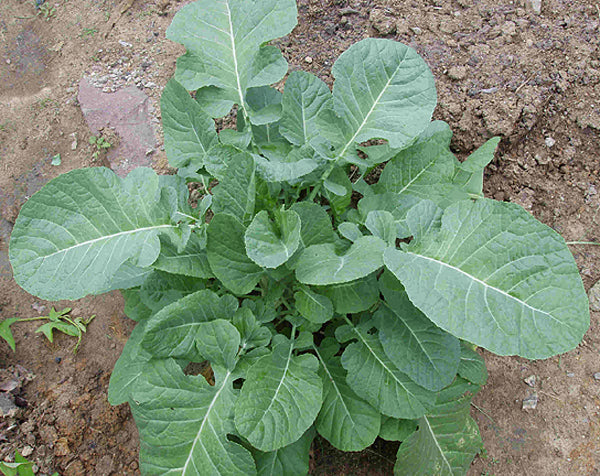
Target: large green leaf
291,460
227,255
280,399
313,306
297,163
192,261
134,307
224,42
176,329
426,353
271,243
72,236
472,366
426,169
396,429
382,90
495,276
345,420
447,439
189,132
316,226
304,97
375,378
184,422
321,265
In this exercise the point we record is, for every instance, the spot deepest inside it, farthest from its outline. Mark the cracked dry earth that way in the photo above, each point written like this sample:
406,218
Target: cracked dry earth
97,68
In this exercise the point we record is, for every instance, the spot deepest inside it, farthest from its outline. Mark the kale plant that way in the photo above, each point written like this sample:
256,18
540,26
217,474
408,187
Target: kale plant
320,296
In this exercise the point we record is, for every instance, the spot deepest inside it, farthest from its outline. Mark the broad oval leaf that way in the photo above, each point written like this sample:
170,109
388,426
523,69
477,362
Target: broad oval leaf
321,265
396,429
384,90
304,97
313,306
192,261
184,423
227,257
345,420
426,353
374,377
270,244
447,439
495,276
355,296
224,44
72,236
280,399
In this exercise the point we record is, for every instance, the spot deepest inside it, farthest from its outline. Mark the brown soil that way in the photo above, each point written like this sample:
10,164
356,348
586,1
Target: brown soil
501,69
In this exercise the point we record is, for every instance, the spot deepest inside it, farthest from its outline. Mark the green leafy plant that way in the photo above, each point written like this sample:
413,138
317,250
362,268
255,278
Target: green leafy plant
324,297
21,467
99,144
46,10
57,320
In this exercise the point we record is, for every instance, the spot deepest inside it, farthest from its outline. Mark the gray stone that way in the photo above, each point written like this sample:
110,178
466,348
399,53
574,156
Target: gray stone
597,375
536,6
7,405
594,297
530,380
457,73
530,402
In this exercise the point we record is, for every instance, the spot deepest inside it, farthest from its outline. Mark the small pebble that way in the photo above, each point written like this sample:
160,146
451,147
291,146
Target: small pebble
58,360
530,402
8,61
597,375
457,73
530,380
27,451
549,141
570,374
416,30
124,43
308,60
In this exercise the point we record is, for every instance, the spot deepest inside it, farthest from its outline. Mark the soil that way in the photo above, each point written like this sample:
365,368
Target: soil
502,68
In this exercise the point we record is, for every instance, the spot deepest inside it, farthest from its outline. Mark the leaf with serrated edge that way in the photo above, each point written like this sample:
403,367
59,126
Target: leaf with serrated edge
426,353
345,420
184,422
72,236
495,276
447,439
224,41
373,377
321,265
280,399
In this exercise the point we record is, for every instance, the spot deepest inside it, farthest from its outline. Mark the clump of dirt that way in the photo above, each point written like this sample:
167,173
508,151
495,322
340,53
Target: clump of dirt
502,68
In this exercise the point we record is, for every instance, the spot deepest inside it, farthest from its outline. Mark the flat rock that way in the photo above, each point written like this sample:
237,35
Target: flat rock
594,297
7,405
530,402
128,112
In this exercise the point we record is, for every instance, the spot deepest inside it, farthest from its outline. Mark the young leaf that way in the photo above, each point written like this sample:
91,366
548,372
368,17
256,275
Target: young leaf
469,174
82,226
313,306
384,90
176,330
447,439
472,365
383,225
426,169
270,244
374,377
396,429
253,334
227,255
213,101
264,105
289,166
6,333
189,417
345,420
291,460
355,296
495,276
321,265
189,132
224,44
304,97
192,261
316,226
419,348
235,194
280,399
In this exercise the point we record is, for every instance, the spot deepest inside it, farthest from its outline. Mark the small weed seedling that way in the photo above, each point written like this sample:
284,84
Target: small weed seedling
99,145
57,320
88,32
45,10
348,305
21,467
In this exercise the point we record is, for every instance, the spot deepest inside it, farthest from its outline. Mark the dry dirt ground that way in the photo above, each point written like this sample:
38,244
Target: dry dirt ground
502,68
